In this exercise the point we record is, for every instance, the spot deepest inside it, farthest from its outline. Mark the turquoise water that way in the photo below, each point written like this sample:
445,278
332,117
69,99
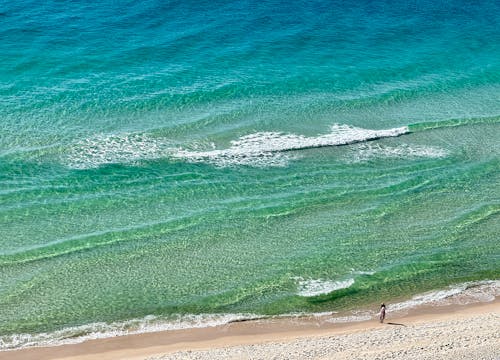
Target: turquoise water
197,160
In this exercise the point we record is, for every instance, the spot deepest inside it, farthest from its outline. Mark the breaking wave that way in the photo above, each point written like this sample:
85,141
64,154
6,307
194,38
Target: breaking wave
262,149
115,149
315,287
461,294
148,324
270,148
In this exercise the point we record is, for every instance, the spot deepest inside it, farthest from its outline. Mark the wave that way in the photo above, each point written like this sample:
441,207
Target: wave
441,124
362,272
91,240
269,148
150,323
460,294
315,287
115,149
261,149
366,152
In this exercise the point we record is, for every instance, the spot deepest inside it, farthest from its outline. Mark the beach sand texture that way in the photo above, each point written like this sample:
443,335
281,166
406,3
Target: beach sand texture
473,337
453,332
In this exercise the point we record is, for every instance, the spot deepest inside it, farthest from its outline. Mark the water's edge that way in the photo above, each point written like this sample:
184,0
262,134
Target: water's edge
459,294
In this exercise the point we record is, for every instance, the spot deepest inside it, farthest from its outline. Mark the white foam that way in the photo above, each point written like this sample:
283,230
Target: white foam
365,152
261,149
314,287
362,272
461,294
268,148
466,293
150,323
112,149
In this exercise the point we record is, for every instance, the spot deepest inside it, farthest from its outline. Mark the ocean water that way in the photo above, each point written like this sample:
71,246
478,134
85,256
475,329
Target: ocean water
170,164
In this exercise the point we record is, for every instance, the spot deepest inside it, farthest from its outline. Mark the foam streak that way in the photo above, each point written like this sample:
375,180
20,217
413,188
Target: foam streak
268,148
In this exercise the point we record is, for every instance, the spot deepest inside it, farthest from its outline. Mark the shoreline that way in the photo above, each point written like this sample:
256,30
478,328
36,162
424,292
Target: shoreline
251,332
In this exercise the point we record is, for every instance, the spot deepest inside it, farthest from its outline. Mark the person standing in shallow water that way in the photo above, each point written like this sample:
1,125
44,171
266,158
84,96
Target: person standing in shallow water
382,313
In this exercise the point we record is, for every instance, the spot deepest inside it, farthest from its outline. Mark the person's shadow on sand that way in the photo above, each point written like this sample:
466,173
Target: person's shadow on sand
393,323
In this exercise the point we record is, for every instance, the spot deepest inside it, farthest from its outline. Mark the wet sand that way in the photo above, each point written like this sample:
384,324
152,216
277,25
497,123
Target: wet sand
443,332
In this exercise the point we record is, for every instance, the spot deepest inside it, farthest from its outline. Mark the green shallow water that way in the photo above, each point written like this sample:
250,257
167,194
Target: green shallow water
124,241
176,161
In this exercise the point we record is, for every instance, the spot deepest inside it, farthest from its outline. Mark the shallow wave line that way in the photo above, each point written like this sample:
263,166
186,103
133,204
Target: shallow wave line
268,148
488,290
78,239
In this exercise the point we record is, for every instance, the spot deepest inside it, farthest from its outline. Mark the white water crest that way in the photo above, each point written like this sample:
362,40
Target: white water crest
150,323
461,294
261,149
314,287
362,272
264,149
115,149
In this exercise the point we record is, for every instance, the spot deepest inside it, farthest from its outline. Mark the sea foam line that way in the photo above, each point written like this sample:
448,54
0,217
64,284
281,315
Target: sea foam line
148,324
269,148
261,149
465,293
459,294
315,287
115,149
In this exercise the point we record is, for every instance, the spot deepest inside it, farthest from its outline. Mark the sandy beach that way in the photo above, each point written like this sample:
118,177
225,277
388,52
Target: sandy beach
447,332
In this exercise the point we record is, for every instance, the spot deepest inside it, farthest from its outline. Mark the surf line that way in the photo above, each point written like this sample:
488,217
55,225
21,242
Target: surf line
358,135
342,134
347,135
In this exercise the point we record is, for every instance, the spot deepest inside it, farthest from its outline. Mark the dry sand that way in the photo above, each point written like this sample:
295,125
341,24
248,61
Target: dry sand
451,332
